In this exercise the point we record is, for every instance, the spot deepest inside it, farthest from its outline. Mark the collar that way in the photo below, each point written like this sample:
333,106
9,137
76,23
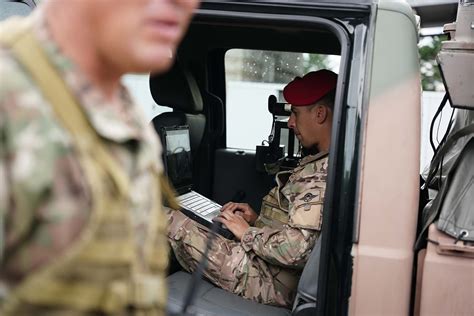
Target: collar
310,158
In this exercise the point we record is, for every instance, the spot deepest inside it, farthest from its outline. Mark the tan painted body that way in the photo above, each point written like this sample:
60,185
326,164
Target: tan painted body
389,191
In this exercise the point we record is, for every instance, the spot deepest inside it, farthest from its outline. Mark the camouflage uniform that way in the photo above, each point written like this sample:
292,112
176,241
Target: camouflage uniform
266,264
45,198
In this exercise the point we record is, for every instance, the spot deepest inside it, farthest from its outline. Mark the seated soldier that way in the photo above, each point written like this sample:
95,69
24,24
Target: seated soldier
265,260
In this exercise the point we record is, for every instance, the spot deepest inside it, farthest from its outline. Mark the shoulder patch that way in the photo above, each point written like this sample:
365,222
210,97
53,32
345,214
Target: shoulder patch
308,197
307,215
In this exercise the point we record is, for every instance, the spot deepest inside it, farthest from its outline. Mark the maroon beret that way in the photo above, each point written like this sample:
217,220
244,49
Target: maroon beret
311,88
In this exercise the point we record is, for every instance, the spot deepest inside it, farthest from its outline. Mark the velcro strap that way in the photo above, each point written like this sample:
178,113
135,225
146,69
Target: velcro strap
79,296
269,211
108,252
145,292
270,197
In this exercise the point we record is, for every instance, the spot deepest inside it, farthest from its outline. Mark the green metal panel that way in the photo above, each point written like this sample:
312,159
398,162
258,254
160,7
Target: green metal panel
395,57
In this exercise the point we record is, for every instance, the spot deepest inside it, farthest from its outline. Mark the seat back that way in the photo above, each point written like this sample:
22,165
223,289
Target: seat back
178,90
306,296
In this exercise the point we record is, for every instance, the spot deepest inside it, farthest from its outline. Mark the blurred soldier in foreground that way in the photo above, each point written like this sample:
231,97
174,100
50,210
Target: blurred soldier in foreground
80,200
265,261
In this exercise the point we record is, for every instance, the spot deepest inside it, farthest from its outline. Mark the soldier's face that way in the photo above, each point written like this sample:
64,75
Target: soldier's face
138,35
307,124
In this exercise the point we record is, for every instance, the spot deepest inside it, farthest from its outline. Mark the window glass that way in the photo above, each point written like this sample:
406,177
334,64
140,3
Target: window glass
251,77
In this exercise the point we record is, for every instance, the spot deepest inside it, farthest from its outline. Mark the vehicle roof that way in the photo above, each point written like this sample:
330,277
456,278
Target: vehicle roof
432,12
298,1
435,12
305,3
248,32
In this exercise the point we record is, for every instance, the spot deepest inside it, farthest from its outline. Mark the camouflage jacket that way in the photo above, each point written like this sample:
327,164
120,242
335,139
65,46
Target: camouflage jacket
291,216
45,201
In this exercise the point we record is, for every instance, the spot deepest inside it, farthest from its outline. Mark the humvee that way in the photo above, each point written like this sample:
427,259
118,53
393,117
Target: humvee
238,53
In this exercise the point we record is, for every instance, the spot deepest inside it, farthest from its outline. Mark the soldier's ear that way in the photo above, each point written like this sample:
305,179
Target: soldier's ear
322,113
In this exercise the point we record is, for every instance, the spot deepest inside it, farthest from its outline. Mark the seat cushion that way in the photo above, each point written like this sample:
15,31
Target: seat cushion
211,300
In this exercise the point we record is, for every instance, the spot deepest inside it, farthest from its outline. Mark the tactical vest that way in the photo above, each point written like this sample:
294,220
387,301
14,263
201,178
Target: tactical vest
274,210
103,270
307,210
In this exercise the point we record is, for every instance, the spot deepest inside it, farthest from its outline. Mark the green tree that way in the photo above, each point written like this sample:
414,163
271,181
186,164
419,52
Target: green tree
315,62
430,75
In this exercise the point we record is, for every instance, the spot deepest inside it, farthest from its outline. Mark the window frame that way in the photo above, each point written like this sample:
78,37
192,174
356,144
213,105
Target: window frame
346,135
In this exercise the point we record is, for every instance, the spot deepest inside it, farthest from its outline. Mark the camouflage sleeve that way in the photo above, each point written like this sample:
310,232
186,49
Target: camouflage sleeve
44,197
3,167
287,247
9,97
3,184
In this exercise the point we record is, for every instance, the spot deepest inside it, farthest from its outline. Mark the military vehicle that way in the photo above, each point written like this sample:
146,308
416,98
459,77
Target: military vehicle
237,53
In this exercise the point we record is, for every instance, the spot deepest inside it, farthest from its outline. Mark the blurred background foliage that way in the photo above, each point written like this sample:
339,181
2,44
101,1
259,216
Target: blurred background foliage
428,48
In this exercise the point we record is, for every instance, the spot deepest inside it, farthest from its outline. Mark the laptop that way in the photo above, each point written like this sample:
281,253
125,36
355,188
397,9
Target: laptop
178,165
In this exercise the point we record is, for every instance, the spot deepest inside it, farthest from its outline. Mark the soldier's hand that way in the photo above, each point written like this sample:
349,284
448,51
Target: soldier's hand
242,209
235,223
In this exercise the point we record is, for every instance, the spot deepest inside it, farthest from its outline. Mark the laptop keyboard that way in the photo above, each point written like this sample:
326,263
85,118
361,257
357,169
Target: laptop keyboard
199,204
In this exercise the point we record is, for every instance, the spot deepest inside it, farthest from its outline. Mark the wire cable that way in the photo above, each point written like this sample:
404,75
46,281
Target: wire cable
440,109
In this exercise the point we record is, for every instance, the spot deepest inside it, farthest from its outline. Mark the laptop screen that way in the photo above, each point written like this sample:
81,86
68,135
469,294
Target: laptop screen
177,156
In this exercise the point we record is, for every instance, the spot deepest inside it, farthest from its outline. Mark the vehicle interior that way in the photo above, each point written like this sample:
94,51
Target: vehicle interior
227,67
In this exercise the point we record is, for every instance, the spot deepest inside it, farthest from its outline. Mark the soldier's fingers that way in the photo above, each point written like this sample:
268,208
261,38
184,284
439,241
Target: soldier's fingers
223,221
248,208
225,206
231,211
218,219
240,219
227,215
235,219
229,207
232,207
244,207
235,207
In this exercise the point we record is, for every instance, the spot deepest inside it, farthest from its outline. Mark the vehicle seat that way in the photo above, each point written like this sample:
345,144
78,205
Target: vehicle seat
178,90
211,300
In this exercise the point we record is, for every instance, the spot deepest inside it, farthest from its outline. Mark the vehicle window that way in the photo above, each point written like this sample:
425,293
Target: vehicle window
251,77
12,8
